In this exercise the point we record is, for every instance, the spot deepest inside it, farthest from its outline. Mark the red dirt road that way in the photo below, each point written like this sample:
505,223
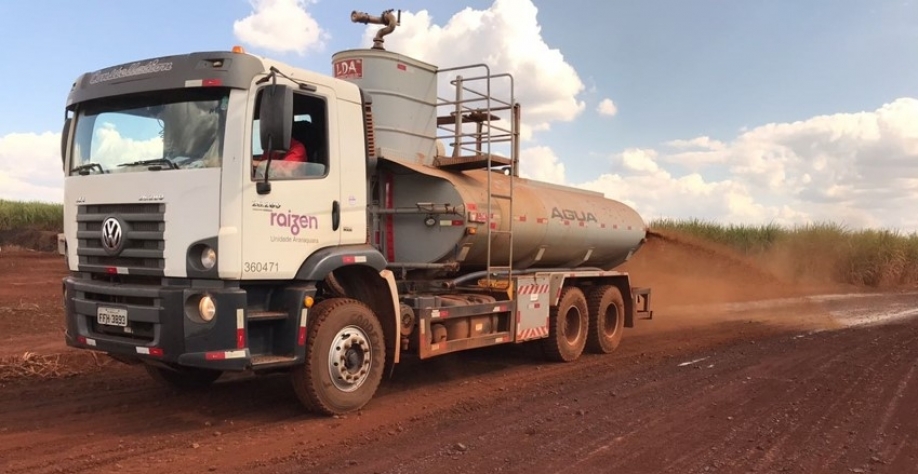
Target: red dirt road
762,392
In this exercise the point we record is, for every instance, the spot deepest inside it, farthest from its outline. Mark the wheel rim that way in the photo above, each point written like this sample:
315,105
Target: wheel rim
572,325
349,359
610,321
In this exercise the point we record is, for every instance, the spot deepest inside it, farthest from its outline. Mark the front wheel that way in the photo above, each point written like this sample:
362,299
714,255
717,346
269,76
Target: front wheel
345,356
183,378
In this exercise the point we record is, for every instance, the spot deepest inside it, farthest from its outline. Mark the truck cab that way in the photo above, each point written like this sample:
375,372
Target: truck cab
165,167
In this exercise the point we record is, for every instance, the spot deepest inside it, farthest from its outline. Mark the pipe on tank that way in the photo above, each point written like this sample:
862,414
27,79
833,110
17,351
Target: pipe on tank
387,19
451,284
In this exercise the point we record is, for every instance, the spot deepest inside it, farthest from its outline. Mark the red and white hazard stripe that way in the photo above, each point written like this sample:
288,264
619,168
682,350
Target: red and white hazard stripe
533,289
301,334
532,333
224,355
240,328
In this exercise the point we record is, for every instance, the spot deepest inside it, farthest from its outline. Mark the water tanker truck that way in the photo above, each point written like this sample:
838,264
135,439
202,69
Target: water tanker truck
196,245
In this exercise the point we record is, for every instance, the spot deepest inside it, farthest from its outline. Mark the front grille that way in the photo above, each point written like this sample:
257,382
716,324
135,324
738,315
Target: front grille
143,231
137,331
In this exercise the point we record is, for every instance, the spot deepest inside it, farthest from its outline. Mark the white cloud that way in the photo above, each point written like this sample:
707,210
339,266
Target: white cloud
110,148
704,143
607,108
858,169
640,161
506,36
541,164
30,167
281,26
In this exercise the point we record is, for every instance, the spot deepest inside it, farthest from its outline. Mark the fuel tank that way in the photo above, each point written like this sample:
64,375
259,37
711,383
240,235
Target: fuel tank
552,226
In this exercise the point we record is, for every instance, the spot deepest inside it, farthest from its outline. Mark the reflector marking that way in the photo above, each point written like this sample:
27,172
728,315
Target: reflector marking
567,222
472,206
542,220
150,351
451,223
532,333
533,289
301,332
402,67
582,224
194,83
223,355
89,342
240,328
360,259
348,259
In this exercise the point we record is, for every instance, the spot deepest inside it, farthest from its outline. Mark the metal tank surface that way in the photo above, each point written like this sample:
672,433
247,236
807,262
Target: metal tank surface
404,94
554,226
432,214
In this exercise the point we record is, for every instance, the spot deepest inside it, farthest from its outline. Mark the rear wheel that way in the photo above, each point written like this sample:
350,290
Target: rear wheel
607,319
567,327
345,356
183,378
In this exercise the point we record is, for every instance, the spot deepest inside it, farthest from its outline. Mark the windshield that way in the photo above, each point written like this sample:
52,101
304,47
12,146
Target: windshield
163,130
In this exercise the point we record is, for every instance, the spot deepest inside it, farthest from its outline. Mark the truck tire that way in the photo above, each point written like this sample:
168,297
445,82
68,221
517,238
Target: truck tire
345,356
607,319
567,327
183,378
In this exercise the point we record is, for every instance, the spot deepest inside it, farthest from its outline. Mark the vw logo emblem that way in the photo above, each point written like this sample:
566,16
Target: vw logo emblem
112,235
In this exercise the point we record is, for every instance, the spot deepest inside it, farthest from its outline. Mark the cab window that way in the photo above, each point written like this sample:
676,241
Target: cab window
307,156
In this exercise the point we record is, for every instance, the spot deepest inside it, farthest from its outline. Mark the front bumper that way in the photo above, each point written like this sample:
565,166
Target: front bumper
160,324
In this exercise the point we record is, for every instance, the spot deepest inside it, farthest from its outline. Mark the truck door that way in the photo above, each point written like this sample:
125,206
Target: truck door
284,226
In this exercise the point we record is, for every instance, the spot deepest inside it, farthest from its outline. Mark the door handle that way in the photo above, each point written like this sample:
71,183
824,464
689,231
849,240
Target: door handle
336,215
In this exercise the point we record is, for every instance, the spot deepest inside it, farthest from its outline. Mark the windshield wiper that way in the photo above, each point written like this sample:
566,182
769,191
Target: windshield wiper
155,161
87,168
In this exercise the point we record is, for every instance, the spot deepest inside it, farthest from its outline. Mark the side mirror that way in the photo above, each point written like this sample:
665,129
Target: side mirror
65,134
275,116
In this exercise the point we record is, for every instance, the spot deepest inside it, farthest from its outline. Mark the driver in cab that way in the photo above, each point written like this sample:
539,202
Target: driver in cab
283,166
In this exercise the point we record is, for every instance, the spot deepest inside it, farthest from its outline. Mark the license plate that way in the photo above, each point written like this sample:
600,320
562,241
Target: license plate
112,316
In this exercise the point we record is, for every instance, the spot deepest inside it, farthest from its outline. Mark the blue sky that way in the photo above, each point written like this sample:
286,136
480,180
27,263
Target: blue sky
740,74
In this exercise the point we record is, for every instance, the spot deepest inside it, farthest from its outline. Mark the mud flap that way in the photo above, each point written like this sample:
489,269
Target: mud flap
641,297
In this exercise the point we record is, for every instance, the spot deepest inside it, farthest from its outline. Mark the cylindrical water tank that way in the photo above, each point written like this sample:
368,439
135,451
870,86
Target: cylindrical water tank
553,226
404,93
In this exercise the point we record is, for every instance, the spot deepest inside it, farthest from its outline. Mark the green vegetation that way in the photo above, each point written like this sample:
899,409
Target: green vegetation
31,215
817,252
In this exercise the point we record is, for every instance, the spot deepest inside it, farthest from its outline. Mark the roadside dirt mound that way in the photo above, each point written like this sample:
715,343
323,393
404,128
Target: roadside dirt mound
685,271
42,240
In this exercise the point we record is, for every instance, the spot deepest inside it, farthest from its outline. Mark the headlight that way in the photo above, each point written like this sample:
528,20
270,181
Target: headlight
208,258
207,309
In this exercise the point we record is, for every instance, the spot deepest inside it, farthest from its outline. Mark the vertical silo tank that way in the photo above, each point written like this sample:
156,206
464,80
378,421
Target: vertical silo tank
404,92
